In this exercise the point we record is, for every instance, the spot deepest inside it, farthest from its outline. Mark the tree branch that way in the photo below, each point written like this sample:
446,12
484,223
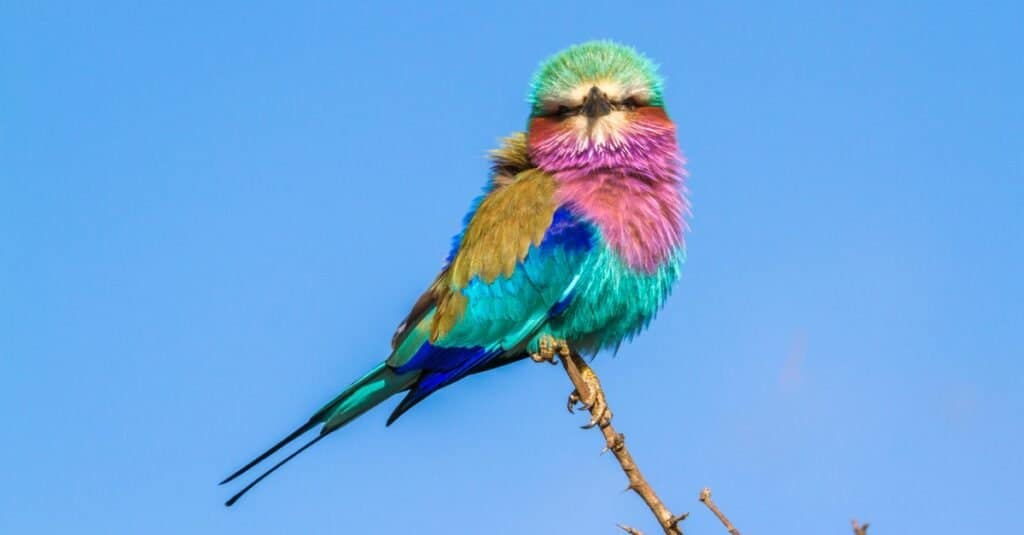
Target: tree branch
705,497
591,396
589,392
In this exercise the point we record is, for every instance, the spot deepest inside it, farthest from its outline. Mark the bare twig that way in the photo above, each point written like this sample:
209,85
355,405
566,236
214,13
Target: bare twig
591,396
588,390
705,497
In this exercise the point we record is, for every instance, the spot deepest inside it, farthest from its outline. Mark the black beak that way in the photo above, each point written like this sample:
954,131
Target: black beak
596,104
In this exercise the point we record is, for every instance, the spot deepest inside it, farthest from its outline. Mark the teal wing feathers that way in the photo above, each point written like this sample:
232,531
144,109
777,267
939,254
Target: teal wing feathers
513,267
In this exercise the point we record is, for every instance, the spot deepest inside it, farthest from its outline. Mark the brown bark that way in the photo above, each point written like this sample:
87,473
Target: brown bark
705,497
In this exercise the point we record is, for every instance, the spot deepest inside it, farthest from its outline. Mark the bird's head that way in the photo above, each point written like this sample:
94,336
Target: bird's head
595,98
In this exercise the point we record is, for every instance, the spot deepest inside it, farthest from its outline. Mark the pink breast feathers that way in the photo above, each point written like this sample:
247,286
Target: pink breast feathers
630,187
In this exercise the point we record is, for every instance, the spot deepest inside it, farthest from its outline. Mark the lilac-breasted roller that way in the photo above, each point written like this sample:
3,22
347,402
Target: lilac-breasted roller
573,247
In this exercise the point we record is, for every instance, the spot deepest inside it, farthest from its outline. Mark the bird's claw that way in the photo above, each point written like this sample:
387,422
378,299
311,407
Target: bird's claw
593,400
600,414
549,347
574,398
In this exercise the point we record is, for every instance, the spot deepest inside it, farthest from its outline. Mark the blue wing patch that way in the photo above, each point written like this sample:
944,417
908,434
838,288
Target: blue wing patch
502,314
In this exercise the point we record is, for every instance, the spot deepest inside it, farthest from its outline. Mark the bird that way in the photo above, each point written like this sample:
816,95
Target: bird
572,248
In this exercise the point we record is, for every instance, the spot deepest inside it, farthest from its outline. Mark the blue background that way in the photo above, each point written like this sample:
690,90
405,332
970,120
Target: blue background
213,216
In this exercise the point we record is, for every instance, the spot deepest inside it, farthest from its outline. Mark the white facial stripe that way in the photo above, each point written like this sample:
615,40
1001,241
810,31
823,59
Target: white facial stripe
616,91
609,87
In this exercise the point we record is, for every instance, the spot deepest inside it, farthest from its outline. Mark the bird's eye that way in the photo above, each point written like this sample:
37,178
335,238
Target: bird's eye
630,103
561,111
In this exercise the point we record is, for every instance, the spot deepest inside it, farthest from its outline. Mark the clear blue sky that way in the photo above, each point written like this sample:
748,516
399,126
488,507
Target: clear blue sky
212,218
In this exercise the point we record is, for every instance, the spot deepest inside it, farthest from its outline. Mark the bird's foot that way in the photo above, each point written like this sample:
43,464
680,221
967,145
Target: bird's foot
548,347
592,399
590,396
